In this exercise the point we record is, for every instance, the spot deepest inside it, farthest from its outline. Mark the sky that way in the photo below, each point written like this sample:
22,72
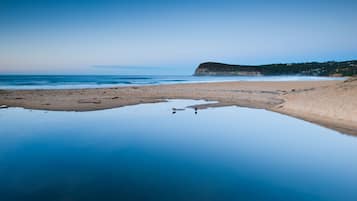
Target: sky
170,37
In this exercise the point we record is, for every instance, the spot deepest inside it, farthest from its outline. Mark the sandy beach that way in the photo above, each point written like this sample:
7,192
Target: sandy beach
332,104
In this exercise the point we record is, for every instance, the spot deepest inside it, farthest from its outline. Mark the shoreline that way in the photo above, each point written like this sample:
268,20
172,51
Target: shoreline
332,104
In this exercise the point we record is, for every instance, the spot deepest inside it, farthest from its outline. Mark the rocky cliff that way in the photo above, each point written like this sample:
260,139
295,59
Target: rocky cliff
331,68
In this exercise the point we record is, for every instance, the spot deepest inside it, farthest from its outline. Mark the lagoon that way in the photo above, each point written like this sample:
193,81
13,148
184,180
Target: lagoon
145,152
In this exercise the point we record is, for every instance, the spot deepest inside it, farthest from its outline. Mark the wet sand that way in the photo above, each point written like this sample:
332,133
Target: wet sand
332,104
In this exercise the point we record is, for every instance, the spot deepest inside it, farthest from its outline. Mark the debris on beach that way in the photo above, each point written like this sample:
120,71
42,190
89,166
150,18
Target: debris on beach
3,106
94,101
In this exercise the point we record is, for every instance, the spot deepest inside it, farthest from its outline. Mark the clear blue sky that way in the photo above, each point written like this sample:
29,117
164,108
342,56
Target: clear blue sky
170,37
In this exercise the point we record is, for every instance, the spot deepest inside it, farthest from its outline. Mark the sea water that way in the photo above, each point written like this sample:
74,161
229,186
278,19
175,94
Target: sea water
94,81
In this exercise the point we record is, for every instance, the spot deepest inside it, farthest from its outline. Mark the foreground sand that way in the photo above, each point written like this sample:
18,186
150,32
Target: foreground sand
329,103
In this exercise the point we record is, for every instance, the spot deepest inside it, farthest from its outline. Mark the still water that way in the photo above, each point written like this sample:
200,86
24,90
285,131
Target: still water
144,152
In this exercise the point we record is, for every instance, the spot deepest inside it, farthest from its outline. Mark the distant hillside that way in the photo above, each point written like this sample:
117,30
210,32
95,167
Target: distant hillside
331,68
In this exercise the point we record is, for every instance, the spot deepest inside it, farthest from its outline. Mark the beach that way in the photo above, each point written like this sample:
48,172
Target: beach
332,104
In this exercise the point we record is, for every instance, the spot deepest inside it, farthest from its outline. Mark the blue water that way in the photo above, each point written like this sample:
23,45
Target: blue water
93,81
144,152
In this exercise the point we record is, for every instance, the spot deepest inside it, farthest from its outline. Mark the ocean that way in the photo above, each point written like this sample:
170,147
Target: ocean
97,81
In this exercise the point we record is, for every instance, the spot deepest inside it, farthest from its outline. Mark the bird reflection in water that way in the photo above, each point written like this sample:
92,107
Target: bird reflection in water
174,110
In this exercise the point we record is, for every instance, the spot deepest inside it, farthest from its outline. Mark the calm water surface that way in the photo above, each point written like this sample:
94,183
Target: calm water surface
145,152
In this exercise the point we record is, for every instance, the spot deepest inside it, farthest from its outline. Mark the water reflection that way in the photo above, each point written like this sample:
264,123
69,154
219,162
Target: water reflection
143,152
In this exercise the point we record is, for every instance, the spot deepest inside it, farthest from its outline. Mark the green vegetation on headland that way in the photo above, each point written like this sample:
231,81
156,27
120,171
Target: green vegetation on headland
331,68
